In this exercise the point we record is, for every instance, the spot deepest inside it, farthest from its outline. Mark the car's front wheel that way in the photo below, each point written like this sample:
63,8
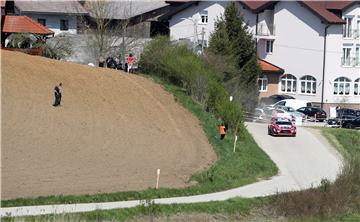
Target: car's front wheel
349,126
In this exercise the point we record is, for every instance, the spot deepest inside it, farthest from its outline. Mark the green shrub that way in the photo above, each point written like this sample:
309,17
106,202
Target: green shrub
179,65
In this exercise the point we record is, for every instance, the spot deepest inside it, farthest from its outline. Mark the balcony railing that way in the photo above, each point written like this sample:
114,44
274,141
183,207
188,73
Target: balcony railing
266,30
350,61
354,34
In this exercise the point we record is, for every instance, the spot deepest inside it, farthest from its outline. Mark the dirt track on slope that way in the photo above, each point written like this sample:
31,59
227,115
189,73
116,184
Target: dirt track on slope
111,133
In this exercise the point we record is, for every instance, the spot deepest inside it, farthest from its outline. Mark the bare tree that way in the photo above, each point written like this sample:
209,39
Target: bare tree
111,29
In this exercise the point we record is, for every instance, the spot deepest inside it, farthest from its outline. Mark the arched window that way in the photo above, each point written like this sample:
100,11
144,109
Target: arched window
342,86
263,83
357,87
308,85
288,83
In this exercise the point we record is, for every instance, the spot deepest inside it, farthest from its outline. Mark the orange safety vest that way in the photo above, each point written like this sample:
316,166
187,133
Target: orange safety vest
222,129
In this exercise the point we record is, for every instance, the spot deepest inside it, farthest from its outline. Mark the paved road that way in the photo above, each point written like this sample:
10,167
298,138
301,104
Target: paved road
303,162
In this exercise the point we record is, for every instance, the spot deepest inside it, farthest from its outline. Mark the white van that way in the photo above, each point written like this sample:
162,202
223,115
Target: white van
294,103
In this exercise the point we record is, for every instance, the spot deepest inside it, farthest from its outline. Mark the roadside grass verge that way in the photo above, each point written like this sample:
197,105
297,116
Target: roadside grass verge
248,164
330,200
149,211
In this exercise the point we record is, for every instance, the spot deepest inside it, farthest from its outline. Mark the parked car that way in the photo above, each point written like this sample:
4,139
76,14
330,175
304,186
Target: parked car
347,114
333,123
281,126
315,112
293,112
274,99
294,103
283,114
351,123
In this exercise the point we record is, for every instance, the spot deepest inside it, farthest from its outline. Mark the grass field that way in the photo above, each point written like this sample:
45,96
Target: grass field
247,165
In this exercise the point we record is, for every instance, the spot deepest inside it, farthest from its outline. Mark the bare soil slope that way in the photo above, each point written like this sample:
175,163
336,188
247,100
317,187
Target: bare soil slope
111,133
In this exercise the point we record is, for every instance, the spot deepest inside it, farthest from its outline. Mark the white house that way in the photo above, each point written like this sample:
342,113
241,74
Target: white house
315,43
58,16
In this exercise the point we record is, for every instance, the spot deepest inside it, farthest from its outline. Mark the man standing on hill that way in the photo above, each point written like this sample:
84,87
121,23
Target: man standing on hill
222,130
58,94
130,62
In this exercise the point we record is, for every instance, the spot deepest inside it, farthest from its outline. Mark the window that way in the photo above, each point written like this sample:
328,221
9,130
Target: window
200,42
342,86
204,17
346,59
302,109
288,83
357,87
269,46
308,85
347,29
282,103
42,21
64,25
263,82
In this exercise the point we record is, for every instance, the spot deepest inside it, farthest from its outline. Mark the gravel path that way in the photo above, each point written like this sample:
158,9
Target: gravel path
303,162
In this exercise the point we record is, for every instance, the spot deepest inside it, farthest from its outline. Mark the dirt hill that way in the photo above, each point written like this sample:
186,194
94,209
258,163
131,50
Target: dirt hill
111,133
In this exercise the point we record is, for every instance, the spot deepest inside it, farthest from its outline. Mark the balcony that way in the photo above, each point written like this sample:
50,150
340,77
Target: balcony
265,31
356,33
350,61
351,34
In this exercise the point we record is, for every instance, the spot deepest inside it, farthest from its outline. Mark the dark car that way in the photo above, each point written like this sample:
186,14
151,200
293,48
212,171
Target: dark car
347,114
281,126
351,123
317,113
334,123
273,99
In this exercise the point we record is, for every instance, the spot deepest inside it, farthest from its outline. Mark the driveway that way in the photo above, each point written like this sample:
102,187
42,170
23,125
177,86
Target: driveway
303,161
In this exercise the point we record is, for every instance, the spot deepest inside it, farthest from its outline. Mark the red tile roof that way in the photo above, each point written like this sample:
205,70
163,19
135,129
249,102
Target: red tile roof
267,67
257,6
319,8
23,24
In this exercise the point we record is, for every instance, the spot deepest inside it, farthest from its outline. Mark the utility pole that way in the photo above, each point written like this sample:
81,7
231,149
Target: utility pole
202,40
196,41
195,22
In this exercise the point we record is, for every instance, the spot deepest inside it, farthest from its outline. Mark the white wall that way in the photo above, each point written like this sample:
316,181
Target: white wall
249,19
334,69
53,22
298,45
181,28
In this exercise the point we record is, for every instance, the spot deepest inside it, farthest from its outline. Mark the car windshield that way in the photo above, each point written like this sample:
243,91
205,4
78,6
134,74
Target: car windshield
283,123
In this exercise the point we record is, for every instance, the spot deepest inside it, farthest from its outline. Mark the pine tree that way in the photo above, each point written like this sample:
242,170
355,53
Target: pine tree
232,40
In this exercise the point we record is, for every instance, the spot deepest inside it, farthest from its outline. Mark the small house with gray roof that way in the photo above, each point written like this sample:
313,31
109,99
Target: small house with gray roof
58,16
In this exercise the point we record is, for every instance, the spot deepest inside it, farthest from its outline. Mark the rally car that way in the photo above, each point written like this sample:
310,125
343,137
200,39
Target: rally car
281,126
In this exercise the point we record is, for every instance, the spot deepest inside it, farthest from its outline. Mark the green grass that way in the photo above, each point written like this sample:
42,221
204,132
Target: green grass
232,206
339,218
346,141
247,165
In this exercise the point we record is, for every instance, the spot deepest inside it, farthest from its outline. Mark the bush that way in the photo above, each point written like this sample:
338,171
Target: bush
181,66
